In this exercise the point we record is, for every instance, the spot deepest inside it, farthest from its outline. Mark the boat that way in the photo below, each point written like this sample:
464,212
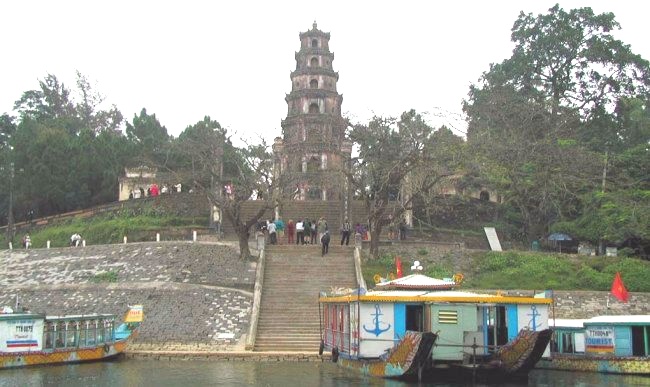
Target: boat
28,339
473,335
605,344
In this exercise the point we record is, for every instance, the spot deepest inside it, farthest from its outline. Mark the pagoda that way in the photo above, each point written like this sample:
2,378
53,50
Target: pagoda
313,148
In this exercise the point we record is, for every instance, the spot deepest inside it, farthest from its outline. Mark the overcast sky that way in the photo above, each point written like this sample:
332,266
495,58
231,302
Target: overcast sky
231,60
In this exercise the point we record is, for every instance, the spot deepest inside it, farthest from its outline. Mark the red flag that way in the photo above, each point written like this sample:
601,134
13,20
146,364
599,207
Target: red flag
618,289
398,267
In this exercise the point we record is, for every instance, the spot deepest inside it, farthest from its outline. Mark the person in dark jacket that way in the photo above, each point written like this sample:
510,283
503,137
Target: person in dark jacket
325,242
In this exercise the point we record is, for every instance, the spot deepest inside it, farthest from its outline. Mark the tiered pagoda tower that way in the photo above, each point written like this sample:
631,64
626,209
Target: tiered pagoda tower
313,147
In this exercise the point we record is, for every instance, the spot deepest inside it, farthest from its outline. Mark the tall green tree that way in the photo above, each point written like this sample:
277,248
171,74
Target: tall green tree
149,137
530,116
395,160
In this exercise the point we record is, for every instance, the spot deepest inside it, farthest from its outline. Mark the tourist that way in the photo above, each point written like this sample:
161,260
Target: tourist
131,194
402,230
313,233
75,240
164,189
300,233
321,228
27,241
279,226
142,192
391,227
345,232
359,229
273,239
136,194
325,243
291,229
308,225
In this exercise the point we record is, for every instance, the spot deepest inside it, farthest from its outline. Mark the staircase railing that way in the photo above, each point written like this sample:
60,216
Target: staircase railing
257,300
361,283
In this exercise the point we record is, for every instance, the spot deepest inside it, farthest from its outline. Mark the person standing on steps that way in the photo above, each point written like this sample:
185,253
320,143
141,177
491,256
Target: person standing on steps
345,232
272,233
321,227
325,243
300,232
279,226
291,229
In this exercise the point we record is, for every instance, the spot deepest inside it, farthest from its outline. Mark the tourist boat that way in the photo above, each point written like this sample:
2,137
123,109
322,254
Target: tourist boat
607,344
473,335
28,339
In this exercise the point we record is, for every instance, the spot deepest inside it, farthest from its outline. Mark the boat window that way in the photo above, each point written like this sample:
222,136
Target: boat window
448,316
72,330
49,335
567,341
60,335
108,330
639,343
91,333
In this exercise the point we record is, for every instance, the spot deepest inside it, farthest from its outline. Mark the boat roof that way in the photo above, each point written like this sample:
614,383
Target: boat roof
601,320
80,316
566,322
416,281
20,316
620,320
444,296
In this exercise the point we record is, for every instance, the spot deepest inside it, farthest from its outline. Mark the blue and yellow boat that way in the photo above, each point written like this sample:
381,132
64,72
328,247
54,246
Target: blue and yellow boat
482,336
28,339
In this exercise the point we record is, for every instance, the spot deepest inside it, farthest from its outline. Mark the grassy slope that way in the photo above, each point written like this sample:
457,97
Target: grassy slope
527,270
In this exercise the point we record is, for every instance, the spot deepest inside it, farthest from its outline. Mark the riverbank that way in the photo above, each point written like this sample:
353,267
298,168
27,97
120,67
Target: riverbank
197,296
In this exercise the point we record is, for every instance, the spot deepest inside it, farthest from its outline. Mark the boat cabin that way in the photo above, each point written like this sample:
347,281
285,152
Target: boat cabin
619,336
367,325
24,332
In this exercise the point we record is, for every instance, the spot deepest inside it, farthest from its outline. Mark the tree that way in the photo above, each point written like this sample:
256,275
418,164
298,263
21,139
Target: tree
149,137
530,115
206,153
395,156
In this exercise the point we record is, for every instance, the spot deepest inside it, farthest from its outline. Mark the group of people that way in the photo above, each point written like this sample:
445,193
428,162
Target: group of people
303,232
154,190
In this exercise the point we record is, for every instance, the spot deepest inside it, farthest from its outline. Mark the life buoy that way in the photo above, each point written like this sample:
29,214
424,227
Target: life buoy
106,348
321,348
335,354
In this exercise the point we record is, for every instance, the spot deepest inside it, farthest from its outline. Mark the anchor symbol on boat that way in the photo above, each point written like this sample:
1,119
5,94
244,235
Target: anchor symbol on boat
377,331
534,314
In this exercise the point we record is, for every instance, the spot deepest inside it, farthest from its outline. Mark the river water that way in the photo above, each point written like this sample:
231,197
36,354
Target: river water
134,372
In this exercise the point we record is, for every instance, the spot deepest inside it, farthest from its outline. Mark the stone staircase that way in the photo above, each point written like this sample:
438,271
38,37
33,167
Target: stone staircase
293,277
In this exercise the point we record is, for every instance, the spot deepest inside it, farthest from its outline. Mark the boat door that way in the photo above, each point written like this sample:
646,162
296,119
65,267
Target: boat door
496,326
408,317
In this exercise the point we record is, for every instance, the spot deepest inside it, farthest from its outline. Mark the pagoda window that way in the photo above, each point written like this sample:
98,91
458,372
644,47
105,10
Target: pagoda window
313,62
313,108
313,84
313,164
314,43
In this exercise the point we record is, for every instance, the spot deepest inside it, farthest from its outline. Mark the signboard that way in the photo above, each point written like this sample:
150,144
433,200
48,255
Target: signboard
599,340
21,335
377,328
135,314
493,239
